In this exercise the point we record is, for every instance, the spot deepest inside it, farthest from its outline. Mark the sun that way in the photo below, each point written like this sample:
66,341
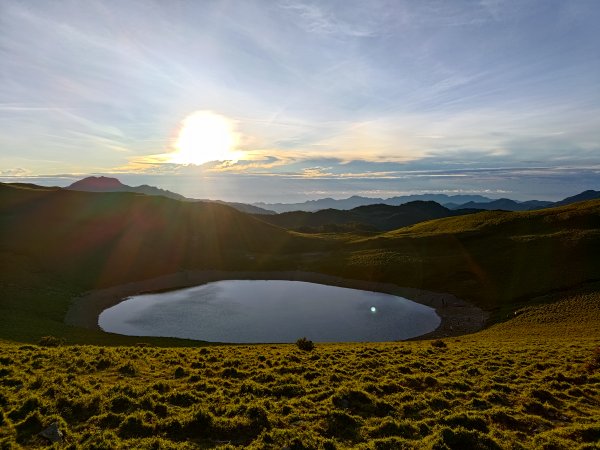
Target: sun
205,136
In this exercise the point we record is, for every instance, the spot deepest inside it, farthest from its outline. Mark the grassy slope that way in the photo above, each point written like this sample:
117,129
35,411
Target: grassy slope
529,382
371,217
56,244
490,258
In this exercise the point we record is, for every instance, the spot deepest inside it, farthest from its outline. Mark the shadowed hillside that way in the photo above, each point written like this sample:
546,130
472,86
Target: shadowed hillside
491,258
122,236
378,217
565,219
56,244
505,204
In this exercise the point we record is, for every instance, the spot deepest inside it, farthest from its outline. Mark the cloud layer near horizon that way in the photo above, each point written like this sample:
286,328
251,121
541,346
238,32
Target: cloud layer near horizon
329,90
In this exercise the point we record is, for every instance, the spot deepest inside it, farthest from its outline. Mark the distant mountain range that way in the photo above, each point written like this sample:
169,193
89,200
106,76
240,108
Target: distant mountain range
356,201
109,184
449,201
87,241
353,213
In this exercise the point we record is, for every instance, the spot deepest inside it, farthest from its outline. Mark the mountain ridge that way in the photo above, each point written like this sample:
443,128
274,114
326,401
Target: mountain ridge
357,200
452,202
110,184
449,201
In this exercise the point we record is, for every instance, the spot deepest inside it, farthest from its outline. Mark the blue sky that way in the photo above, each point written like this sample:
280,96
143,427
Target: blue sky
329,97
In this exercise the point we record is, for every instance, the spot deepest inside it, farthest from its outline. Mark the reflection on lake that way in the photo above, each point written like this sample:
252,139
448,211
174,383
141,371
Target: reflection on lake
249,311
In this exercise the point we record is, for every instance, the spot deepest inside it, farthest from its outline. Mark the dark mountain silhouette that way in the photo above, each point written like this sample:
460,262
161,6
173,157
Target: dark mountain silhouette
379,217
385,217
356,201
109,184
453,202
506,204
585,195
117,236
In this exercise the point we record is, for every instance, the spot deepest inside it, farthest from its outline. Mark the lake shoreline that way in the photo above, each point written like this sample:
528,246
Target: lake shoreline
457,316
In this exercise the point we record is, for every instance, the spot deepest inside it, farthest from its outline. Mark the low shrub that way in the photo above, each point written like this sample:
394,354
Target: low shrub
467,422
30,426
305,344
134,426
199,425
594,364
31,404
50,341
438,343
341,425
390,427
461,439
128,369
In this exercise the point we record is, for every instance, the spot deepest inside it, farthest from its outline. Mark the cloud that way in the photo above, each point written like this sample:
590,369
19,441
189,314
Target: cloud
316,17
16,172
314,172
318,89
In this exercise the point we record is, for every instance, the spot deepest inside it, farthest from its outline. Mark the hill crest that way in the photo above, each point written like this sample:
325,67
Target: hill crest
110,184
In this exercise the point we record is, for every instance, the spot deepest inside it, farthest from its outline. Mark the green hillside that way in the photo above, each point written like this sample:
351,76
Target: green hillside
576,216
122,236
531,380
491,258
56,244
378,217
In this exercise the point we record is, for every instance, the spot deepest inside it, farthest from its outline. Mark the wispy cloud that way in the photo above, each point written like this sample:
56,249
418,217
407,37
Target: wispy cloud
313,86
316,17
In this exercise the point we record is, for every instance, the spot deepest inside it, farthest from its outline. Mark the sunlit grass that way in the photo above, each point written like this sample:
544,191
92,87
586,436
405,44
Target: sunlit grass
524,383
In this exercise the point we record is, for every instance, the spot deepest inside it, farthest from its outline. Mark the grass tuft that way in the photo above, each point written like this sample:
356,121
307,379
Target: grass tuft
304,344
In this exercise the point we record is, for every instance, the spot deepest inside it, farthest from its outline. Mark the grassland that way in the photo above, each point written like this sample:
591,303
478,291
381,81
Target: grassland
55,245
531,380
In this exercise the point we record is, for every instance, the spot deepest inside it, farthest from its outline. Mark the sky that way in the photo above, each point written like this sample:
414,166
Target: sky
304,99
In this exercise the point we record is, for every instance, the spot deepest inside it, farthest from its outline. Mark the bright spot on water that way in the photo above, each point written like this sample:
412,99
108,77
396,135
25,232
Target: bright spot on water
373,309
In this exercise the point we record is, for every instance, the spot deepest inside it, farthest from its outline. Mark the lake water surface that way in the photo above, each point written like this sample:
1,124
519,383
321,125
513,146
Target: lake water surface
251,311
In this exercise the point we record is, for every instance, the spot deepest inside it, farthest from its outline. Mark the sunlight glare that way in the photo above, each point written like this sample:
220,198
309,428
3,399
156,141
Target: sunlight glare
205,136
